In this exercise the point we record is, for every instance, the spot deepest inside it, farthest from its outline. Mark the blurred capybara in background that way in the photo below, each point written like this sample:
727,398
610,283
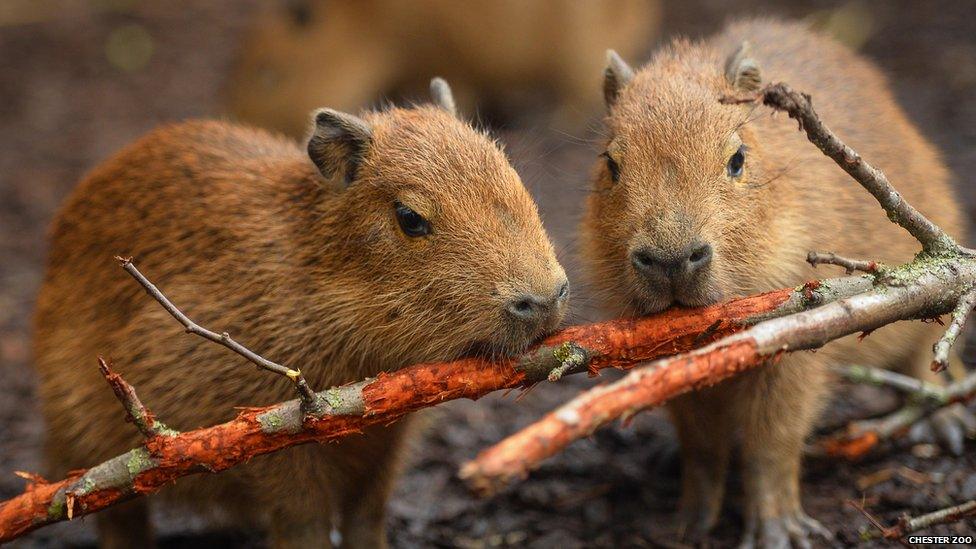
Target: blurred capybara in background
698,201
503,55
399,237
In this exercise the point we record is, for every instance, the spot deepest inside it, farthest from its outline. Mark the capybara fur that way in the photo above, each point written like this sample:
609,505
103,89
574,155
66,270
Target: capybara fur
403,236
504,56
697,201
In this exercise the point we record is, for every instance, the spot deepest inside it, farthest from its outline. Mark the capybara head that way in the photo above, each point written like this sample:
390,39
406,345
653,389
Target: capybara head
679,201
435,232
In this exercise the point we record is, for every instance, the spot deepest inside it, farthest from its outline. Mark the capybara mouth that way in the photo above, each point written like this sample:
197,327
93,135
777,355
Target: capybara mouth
649,303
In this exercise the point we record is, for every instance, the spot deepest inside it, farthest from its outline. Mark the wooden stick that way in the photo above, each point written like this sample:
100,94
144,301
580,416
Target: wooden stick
347,410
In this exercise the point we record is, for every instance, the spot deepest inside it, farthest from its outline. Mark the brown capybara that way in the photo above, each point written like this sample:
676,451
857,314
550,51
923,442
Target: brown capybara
697,201
400,237
505,55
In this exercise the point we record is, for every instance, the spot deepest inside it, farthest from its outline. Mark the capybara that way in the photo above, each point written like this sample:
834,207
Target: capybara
697,201
505,56
398,237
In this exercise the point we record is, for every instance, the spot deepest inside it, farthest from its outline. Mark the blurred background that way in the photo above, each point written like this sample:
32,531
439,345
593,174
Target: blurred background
81,78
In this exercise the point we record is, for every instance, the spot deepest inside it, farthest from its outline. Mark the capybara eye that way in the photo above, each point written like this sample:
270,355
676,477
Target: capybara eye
411,222
737,162
612,166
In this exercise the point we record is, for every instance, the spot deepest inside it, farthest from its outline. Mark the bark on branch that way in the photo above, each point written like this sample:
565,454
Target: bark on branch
135,411
348,409
849,265
935,291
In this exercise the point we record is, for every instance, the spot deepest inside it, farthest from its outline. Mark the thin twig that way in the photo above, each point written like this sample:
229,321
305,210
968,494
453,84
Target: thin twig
865,535
907,525
309,400
849,265
917,389
860,437
799,107
944,345
135,411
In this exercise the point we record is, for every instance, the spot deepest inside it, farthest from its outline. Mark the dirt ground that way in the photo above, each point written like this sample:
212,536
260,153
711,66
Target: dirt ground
69,98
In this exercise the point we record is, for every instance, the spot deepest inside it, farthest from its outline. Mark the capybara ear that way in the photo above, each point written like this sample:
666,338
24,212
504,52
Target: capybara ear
338,143
441,95
742,71
615,77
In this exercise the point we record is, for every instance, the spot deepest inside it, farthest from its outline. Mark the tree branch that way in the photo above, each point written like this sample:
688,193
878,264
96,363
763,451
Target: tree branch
351,408
935,290
958,322
861,437
305,392
135,412
908,525
914,387
800,108
849,265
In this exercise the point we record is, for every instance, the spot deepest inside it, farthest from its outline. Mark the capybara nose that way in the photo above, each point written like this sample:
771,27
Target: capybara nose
536,309
656,263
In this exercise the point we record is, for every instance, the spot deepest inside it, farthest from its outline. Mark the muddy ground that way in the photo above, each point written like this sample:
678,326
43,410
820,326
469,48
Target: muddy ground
64,106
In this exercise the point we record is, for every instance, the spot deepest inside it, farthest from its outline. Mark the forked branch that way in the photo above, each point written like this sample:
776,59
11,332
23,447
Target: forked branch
305,392
351,408
861,437
135,411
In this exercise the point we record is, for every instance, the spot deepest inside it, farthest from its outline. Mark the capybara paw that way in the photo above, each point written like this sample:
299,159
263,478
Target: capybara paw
786,532
948,427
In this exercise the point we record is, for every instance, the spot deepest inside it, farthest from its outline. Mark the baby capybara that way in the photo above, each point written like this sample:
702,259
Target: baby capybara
505,56
697,201
399,237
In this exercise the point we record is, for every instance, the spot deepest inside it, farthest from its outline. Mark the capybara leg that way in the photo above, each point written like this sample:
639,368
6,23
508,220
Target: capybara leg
773,514
367,484
364,506
126,526
705,437
780,404
296,488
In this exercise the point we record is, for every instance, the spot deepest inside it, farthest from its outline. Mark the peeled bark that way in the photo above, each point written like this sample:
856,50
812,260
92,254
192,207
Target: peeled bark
170,455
